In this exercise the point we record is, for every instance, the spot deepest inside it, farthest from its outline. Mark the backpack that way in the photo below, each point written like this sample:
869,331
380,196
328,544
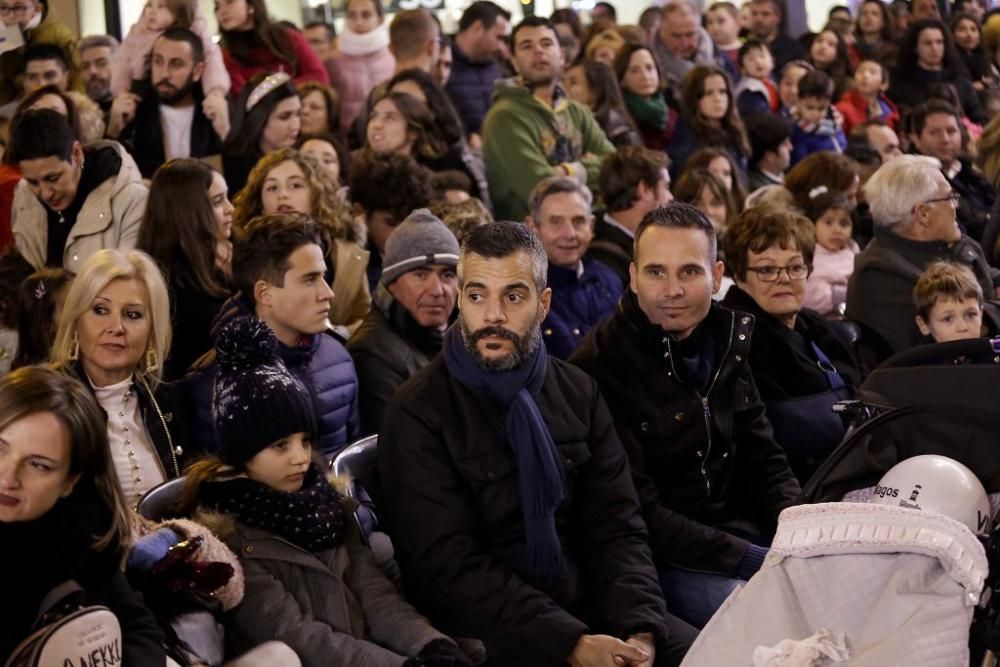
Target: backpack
67,631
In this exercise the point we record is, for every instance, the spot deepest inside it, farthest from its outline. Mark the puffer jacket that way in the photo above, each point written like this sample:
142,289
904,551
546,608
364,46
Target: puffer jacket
470,88
110,217
320,362
355,74
701,460
333,607
578,303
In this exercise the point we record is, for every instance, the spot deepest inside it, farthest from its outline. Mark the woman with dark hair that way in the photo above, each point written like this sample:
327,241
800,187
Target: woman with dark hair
706,191
828,53
46,97
266,119
928,55
708,118
191,246
874,34
330,152
62,516
642,86
448,125
39,304
320,108
801,364
400,123
594,85
967,32
252,43
720,162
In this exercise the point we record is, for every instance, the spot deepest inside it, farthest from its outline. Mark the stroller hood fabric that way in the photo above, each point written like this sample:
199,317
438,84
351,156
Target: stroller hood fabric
865,585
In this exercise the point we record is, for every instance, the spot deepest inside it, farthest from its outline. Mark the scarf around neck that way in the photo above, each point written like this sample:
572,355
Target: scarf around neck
358,44
312,518
650,111
540,474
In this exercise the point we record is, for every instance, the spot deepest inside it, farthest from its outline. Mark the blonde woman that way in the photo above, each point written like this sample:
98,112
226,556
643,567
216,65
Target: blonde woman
114,334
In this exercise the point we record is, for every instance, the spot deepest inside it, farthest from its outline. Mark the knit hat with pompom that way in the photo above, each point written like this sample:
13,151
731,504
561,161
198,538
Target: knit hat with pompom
256,401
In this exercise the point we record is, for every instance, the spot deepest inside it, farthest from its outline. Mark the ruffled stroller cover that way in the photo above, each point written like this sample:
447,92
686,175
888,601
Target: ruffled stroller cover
857,584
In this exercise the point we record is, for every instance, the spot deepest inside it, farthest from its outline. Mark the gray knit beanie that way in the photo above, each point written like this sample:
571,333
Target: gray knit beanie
420,240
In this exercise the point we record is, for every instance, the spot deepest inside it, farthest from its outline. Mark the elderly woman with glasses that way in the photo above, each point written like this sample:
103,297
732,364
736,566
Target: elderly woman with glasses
801,362
914,210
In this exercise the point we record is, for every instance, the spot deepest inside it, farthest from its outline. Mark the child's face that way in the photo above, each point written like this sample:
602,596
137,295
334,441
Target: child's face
758,64
282,465
157,15
951,319
362,17
788,87
823,50
722,27
868,78
812,110
833,229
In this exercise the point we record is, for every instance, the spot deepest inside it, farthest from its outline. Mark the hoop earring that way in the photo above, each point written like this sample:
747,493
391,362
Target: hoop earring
74,352
151,361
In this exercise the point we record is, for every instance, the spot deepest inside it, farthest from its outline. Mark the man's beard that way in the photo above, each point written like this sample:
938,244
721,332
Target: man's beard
174,95
98,89
524,346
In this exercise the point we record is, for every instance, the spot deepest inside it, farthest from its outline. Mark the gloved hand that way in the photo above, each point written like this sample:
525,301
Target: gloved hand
439,653
179,571
150,549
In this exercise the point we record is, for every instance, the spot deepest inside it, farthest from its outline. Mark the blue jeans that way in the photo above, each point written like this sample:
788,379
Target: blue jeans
695,596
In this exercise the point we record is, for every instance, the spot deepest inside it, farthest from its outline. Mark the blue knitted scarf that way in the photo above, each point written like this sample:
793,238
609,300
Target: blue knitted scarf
540,473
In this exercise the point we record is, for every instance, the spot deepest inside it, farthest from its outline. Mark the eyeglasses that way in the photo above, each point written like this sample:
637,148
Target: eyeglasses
770,274
16,10
953,197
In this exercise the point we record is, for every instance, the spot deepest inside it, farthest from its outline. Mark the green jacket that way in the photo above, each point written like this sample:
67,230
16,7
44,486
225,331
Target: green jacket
49,31
525,141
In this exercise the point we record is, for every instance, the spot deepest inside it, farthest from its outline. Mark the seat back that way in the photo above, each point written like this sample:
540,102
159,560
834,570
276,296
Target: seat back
358,463
157,503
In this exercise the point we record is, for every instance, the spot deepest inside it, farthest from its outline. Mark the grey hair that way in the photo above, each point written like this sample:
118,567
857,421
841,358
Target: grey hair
898,186
502,239
93,41
556,185
675,6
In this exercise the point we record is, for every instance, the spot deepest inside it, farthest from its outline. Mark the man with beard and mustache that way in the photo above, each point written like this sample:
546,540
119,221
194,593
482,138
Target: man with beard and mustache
674,366
170,120
533,130
507,492
412,306
95,52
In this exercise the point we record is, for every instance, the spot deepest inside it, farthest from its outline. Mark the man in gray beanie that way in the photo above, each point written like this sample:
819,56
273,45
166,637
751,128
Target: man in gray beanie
413,304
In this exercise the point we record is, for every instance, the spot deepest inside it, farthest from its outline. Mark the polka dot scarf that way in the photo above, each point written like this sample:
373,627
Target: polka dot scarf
312,518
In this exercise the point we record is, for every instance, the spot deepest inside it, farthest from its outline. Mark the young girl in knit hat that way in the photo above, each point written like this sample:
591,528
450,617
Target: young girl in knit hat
309,581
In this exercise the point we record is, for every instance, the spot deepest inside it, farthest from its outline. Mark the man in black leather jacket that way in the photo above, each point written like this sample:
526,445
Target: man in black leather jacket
674,368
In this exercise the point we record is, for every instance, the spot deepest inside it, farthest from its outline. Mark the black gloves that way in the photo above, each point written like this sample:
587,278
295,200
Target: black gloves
439,653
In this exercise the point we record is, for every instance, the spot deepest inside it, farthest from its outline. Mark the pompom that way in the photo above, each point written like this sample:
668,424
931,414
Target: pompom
245,342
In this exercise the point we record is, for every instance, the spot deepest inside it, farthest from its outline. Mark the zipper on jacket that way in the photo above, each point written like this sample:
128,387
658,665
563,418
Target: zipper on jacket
170,441
706,410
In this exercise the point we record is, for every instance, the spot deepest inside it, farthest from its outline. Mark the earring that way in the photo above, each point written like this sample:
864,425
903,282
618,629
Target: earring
74,352
151,362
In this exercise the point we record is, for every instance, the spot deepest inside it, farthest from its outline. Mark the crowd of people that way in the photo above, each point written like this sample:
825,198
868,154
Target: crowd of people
595,288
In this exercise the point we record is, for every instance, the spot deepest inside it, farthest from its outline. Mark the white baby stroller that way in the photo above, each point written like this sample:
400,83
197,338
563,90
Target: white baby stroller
866,584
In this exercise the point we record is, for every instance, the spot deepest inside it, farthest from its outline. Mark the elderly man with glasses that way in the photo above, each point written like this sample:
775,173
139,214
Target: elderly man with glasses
37,25
914,210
